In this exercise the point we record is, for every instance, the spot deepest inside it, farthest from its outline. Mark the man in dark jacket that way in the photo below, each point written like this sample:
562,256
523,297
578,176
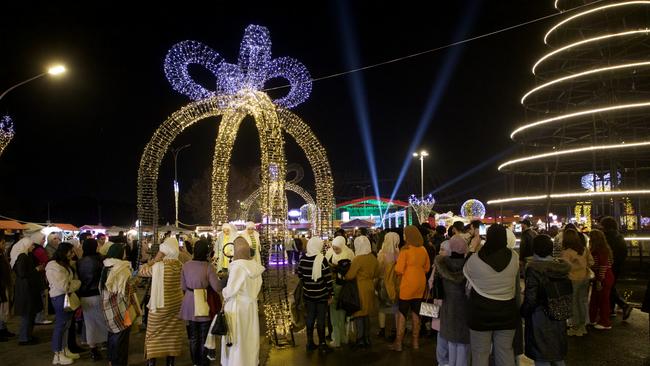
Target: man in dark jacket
619,249
526,244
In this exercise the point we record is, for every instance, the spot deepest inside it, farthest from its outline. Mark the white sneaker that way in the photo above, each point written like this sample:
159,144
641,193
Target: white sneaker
601,327
61,359
70,355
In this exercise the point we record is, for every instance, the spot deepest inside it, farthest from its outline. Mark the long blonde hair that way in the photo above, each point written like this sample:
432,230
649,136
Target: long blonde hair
599,243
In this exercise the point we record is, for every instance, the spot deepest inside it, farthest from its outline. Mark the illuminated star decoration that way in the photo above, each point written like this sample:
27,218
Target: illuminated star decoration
422,207
6,132
472,208
254,68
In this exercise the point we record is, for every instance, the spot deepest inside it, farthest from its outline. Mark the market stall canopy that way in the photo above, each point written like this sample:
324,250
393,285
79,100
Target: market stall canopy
11,225
66,227
357,223
173,229
92,228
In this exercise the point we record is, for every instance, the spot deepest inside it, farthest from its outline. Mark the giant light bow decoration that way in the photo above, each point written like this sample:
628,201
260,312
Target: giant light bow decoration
238,93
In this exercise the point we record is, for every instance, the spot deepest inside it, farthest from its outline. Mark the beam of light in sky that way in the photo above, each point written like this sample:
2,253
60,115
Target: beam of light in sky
357,89
439,87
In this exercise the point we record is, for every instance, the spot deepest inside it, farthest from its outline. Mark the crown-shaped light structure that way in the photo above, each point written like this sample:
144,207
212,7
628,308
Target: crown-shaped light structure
422,207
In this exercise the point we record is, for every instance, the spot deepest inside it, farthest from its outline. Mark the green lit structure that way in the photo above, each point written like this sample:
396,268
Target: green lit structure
395,214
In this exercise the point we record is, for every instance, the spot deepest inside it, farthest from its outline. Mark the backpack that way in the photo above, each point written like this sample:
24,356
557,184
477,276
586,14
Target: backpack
559,298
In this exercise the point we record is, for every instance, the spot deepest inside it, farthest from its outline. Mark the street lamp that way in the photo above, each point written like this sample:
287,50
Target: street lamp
55,70
421,155
176,189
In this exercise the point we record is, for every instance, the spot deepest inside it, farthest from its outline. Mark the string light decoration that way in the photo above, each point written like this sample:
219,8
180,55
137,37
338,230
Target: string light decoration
472,209
6,132
288,186
237,94
422,207
591,80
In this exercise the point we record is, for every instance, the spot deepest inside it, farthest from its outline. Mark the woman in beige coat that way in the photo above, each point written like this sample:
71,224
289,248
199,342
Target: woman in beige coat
364,269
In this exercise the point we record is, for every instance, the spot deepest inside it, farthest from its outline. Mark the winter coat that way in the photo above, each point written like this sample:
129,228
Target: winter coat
365,269
89,269
619,249
29,284
454,311
545,338
61,279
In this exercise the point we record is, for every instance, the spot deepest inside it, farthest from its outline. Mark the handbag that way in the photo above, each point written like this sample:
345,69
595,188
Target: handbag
559,298
430,310
220,326
71,302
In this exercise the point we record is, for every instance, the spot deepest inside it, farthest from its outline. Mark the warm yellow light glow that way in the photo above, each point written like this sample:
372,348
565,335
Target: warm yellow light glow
573,151
56,70
577,114
415,155
515,199
424,153
595,39
633,238
589,12
580,74
580,194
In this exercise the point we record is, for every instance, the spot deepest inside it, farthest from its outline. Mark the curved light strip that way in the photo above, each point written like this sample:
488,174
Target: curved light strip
595,39
588,72
572,151
569,195
640,238
555,5
576,114
589,12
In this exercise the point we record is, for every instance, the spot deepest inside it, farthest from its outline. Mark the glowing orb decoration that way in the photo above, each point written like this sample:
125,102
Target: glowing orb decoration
254,68
294,213
6,132
472,208
422,207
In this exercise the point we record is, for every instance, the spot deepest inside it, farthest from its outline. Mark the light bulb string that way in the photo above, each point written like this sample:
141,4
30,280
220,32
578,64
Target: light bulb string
387,62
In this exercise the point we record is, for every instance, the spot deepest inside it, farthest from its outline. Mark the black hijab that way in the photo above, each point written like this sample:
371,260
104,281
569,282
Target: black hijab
89,247
495,252
201,250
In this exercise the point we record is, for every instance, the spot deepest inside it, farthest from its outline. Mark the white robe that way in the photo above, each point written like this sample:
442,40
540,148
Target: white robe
219,260
240,296
257,256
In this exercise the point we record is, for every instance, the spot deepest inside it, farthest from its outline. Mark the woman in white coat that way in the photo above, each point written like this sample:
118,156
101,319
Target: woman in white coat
241,346
227,235
253,239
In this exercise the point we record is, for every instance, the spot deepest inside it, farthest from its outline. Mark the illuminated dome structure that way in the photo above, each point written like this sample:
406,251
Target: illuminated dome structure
588,114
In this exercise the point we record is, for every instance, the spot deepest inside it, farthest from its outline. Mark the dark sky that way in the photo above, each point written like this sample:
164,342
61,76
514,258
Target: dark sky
79,139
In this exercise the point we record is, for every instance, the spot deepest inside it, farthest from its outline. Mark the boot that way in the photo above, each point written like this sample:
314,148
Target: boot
359,343
151,362
94,354
416,331
310,340
61,359
171,360
400,323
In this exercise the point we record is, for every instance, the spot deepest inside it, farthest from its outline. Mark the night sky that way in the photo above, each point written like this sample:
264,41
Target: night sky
79,139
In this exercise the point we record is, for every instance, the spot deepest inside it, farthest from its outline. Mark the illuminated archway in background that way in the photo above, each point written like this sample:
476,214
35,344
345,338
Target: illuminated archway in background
288,186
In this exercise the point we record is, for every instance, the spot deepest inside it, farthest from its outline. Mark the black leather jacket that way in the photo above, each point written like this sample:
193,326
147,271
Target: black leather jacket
89,269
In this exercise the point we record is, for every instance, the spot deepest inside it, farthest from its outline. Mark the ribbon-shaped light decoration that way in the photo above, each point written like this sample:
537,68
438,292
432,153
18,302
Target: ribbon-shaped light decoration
254,68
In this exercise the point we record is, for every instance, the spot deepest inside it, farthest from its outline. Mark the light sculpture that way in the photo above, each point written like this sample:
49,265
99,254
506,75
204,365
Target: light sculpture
422,207
6,132
472,209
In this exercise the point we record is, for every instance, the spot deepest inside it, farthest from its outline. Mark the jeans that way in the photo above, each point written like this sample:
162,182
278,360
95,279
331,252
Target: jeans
316,315
42,315
580,303
544,363
458,354
118,347
197,332
482,343
26,328
442,350
61,324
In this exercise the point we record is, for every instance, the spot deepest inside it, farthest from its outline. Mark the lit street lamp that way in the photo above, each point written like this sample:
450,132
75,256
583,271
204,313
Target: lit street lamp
421,155
176,189
54,71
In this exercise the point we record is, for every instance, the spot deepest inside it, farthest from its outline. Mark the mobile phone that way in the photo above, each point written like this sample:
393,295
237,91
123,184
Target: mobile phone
482,230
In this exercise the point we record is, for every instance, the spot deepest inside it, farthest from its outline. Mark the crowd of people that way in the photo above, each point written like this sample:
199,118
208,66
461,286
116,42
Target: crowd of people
479,296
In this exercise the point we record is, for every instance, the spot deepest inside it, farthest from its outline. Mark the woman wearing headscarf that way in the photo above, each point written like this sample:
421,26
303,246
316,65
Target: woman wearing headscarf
337,253
227,235
41,258
253,239
364,270
317,283
27,290
119,303
388,284
89,269
197,275
453,313
493,313
61,278
412,265
240,296
164,336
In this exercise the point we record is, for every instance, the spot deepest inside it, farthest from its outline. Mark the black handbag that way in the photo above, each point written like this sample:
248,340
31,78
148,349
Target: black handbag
349,298
220,326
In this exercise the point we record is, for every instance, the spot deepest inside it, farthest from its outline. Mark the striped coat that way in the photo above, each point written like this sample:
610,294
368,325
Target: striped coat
315,291
165,330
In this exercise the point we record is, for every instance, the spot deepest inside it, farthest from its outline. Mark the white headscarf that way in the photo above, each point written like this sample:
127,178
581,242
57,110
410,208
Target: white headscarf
233,232
346,253
390,247
362,245
170,248
511,239
37,237
22,246
315,248
250,225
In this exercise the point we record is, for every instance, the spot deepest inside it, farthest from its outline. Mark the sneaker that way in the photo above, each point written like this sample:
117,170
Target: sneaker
581,331
627,310
571,332
601,327
43,322
333,345
61,359
324,348
70,355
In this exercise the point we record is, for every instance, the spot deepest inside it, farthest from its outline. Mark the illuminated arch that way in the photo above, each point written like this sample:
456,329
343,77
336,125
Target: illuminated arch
288,186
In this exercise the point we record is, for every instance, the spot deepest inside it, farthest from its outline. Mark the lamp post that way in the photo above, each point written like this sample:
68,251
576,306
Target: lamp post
422,154
54,71
176,190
